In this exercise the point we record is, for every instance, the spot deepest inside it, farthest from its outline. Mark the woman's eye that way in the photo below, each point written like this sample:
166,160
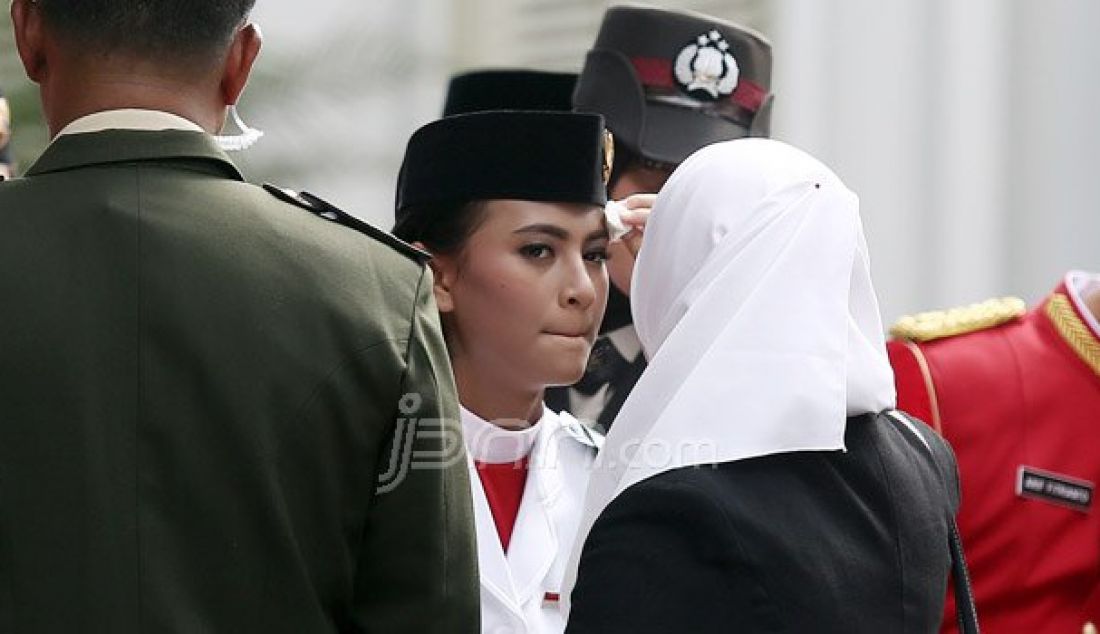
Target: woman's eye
596,255
537,251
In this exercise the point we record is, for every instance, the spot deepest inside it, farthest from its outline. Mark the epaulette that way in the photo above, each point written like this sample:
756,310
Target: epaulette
320,207
580,432
939,324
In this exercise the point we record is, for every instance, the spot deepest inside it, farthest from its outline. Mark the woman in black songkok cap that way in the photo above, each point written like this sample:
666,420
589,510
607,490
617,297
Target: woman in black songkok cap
510,205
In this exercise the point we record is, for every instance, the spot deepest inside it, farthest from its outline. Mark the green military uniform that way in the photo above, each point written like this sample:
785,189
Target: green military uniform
200,385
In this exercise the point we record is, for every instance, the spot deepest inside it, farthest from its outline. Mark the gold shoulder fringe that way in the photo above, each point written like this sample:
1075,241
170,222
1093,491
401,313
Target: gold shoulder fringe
938,324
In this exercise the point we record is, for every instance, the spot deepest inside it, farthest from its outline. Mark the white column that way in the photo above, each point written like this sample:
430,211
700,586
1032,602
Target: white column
851,82
1054,138
967,123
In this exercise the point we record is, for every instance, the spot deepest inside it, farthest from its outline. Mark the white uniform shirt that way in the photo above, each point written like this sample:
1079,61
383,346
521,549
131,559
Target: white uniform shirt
520,588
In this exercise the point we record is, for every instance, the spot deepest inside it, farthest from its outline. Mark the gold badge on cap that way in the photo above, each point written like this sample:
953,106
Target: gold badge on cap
608,155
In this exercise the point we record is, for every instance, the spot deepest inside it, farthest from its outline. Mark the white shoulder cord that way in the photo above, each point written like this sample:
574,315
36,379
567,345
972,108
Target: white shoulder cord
246,139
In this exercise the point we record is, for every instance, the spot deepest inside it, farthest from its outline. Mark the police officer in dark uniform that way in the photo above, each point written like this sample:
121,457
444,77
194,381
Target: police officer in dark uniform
211,394
667,83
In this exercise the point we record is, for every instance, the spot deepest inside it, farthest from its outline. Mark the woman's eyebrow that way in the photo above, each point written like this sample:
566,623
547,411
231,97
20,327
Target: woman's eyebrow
561,233
598,234
551,230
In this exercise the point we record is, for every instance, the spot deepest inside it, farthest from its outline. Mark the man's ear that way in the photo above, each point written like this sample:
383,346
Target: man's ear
443,274
238,64
29,38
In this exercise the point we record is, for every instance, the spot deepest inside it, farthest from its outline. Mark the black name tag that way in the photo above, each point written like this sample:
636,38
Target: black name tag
1054,488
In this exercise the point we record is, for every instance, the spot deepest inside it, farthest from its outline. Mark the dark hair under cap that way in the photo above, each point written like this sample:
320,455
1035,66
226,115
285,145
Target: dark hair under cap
509,89
538,156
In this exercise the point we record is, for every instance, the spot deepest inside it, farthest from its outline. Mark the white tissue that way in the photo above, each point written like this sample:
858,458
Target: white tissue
613,211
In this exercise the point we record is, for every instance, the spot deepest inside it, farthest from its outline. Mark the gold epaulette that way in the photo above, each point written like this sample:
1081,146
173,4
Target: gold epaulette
938,324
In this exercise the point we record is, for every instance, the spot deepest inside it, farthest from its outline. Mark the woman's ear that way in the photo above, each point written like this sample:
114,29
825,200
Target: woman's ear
443,269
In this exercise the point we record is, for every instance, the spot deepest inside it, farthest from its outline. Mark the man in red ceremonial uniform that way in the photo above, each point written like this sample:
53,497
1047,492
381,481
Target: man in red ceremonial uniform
1018,396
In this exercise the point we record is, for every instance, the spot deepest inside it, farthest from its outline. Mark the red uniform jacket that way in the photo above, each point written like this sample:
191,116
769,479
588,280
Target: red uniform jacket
1020,403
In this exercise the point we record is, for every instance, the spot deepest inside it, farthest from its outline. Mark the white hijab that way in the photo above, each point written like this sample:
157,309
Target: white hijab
753,301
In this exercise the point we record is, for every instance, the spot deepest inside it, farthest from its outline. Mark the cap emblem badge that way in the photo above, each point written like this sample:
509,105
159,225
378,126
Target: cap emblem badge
705,69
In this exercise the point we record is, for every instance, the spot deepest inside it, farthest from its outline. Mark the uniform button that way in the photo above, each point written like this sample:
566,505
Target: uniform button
1089,629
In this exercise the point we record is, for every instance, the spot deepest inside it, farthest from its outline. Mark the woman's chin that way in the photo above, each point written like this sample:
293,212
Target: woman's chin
568,375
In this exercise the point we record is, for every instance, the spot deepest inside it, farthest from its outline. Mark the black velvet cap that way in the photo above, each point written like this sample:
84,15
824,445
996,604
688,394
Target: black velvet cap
540,156
509,89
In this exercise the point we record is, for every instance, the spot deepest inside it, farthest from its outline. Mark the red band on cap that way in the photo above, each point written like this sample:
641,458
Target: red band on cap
656,72
748,95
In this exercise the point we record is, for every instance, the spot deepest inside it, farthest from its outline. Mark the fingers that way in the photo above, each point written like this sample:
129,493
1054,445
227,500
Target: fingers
638,201
635,218
633,242
636,210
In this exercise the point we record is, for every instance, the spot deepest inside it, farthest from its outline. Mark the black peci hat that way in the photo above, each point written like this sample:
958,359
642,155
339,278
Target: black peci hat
509,89
671,82
540,156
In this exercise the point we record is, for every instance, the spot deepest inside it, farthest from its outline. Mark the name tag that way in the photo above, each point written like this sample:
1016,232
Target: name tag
1055,488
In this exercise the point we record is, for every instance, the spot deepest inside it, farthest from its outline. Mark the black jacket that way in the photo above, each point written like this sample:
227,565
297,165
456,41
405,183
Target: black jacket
843,542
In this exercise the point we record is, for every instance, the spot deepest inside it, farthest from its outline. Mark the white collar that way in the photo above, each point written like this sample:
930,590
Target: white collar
1079,285
129,119
486,442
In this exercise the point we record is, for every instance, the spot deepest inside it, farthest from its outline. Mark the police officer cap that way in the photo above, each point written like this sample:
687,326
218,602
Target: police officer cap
671,82
541,156
509,89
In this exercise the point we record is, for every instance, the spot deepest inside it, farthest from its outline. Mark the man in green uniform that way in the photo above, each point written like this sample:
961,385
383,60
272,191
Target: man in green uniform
220,411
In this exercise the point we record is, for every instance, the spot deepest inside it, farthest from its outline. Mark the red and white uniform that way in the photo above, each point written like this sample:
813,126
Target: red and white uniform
528,488
1020,404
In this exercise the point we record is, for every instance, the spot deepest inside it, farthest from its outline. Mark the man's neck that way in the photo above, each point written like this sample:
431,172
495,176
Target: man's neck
70,100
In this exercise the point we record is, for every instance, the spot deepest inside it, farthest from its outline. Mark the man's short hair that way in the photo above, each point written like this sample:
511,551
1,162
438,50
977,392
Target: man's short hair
161,29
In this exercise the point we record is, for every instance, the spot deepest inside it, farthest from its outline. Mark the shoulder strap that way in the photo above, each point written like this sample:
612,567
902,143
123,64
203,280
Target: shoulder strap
328,211
965,611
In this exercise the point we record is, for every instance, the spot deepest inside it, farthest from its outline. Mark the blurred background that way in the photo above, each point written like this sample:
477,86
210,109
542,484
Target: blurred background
970,129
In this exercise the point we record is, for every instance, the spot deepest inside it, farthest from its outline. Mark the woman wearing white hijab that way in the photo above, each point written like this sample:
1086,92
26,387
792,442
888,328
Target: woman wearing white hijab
756,479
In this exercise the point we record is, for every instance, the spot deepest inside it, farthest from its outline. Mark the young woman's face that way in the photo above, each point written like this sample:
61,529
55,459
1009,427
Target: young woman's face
523,299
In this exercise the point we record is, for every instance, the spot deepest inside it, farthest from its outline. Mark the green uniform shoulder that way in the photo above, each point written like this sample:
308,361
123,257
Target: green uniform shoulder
328,211
939,324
